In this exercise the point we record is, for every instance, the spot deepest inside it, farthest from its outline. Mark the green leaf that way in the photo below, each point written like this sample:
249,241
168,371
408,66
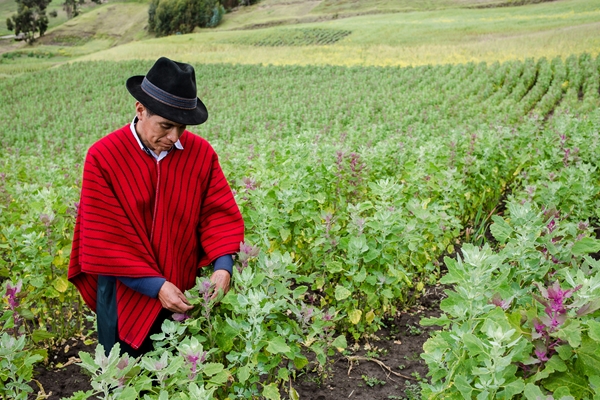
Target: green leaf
334,267
340,343
443,320
576,384
585,246
27,314
39,335
562,393
463,386
211,369
283,374
500,229
565,351
556,364
87,361
300,362
128,393
225,337
61,284
588,357
473,344
243,373
571,333
220,378
271,392
512,389
360,277
41,352
594,329
284,233
533,392
354,316
294,394
341,293
299,291
277,345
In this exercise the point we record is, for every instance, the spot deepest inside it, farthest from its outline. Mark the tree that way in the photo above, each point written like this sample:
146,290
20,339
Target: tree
72,7
167,17
30,19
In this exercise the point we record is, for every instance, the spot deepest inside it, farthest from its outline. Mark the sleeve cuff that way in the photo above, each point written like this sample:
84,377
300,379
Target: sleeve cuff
224,262
147,286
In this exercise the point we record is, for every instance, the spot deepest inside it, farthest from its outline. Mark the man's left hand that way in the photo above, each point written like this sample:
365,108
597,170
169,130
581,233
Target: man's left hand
221,279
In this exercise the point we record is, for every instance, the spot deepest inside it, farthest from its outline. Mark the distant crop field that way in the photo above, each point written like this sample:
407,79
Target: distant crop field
313,33
555,29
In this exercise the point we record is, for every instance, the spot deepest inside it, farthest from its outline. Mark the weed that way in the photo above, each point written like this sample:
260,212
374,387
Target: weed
412,390
376,353
413,330
412,357
372,381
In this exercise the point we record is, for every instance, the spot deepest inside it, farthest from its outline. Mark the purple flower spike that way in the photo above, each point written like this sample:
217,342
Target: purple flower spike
247,252
123,363
557,296
180,317
551,226
250,183
497,301
11,294
194,359
541,355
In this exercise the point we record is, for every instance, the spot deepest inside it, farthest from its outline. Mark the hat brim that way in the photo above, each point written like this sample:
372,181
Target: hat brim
197,116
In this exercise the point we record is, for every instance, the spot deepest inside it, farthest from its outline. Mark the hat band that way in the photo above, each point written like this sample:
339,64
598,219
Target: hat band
167,98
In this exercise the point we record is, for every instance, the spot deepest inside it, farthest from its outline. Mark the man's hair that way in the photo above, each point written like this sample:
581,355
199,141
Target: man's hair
149,112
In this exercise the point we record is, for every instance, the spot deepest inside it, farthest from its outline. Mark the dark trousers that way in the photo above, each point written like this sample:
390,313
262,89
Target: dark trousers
106,313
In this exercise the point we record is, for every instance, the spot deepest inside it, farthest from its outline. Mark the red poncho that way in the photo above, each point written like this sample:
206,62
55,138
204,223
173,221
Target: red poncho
139,218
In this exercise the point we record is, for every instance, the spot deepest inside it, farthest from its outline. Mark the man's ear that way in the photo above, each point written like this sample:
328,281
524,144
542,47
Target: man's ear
139,110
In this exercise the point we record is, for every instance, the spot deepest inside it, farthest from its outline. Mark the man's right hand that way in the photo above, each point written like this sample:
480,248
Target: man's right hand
173,299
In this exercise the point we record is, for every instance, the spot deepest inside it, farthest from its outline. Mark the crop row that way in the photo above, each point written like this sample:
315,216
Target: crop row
296,37
354,183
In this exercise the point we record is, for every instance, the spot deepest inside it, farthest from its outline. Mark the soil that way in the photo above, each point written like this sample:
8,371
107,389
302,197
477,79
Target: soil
387,366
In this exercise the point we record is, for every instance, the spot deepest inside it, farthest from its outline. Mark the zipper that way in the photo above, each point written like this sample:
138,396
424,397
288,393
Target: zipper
155,200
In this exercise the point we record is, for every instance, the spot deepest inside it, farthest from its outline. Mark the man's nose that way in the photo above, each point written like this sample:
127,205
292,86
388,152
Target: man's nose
172,135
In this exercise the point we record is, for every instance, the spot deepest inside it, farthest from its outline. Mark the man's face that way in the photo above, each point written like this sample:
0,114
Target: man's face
157,133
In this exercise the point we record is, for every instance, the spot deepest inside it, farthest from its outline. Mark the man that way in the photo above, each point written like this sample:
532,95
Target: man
155,206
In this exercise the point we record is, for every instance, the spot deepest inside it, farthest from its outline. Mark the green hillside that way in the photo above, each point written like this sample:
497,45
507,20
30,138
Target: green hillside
412,38
351,32
9,7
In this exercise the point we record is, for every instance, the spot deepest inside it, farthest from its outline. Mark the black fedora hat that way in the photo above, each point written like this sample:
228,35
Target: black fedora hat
169,90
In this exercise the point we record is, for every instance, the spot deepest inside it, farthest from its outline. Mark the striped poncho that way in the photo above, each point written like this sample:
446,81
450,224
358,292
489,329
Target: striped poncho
142,218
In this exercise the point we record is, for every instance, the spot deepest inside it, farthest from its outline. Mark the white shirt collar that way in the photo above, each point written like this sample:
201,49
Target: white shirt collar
162,154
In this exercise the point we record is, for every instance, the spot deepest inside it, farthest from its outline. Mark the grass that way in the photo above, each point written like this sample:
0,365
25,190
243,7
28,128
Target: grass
402,33
9,7
400,39
271,12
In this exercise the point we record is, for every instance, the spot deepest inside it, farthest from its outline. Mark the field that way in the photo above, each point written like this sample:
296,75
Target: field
374,194
381,33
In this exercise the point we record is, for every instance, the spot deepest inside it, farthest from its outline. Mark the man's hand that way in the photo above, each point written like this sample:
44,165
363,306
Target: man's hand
173,299
220,278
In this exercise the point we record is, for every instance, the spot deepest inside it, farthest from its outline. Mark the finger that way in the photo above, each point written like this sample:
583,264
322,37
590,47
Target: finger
180,308
184,299
216,294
